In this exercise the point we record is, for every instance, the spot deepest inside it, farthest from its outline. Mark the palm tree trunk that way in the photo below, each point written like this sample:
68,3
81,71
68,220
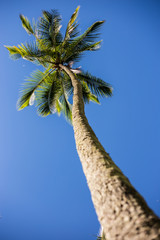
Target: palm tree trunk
121,210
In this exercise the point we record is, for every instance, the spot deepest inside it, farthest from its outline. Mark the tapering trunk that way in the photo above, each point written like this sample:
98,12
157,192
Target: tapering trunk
121,210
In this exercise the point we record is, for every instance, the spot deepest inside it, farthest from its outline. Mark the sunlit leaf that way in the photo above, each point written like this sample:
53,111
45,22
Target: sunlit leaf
26,24
71,30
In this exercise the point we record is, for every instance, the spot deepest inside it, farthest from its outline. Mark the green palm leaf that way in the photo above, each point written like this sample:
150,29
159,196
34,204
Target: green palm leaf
84,42
33,53
49,28
97,86
52,97
66,107
76,54
87,95
28,88
65,104
47,95
55,92
26,24
42,104
67,84
71,30
27,51
92,32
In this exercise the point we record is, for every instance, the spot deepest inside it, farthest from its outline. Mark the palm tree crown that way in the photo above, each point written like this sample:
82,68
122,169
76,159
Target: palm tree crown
51,88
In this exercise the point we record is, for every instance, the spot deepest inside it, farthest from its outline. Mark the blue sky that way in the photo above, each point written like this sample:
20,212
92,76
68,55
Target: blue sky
43,191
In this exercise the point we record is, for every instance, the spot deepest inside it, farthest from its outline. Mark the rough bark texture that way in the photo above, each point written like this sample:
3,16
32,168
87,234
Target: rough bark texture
121,210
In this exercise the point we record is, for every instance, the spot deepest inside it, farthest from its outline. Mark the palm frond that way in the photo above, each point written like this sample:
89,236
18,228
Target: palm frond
78,52
13,52
97,86
47,96
27,51
73,57
92,32
54,94
52,97
32,52
67,84
89,46
42,104
65,104
26,24
87,95
28,88
49,28
84,42
66,107
71,30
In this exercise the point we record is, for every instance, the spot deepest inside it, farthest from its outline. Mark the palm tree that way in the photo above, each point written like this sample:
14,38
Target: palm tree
122,212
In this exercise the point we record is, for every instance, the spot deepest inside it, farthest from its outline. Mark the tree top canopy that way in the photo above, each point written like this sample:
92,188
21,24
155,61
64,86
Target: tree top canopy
51,89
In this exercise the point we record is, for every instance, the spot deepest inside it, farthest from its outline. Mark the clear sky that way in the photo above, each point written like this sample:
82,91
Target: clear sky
43,191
